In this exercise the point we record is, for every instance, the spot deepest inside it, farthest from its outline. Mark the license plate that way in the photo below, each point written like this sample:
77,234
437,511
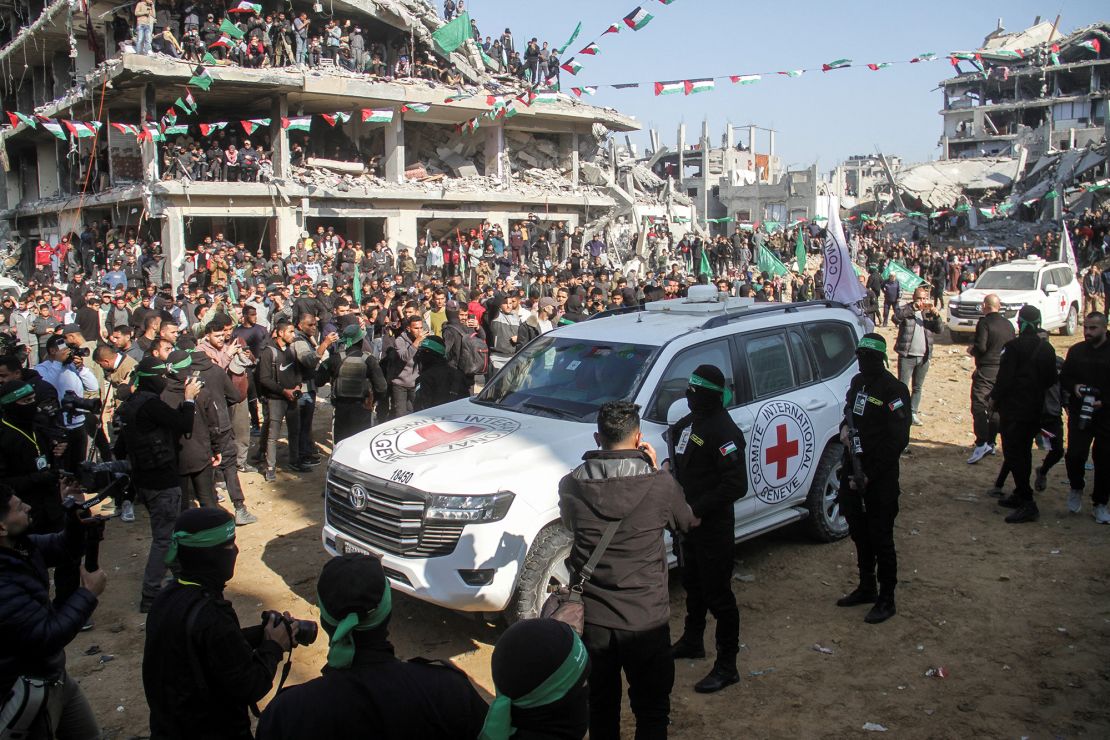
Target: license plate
350,548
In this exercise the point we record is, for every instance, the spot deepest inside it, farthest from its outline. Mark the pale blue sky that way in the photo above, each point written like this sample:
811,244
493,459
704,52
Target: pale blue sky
819,116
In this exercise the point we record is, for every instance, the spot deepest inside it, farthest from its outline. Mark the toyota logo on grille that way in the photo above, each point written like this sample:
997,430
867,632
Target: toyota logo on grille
358,498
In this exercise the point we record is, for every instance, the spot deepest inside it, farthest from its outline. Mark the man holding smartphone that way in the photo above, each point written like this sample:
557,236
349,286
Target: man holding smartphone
917,322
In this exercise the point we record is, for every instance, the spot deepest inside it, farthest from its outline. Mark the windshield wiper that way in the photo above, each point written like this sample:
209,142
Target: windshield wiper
561,413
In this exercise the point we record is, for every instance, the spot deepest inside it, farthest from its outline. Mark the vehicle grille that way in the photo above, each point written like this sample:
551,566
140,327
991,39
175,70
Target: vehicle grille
966,310
393,519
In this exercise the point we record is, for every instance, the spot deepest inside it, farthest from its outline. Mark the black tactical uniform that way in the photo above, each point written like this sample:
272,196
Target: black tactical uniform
358,377
708,461
878,405
1089,364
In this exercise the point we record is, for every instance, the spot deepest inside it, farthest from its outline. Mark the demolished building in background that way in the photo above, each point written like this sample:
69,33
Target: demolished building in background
440,159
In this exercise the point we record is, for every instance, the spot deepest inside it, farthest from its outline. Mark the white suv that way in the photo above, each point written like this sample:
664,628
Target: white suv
461,501
1050,286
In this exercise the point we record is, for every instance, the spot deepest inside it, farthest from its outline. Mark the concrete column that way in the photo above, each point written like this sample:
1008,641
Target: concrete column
574,163
401,231
279,108
286,228
751,139
173,244
395,151
681,154
148,109
771,146
495,148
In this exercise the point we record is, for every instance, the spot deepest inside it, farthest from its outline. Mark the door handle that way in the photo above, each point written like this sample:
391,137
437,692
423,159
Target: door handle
814,405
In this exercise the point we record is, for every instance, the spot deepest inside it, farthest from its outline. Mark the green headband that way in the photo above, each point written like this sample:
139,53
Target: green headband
350,341
180,365
341,646
701,382
433,344
876,344
21,392
213,537
499,725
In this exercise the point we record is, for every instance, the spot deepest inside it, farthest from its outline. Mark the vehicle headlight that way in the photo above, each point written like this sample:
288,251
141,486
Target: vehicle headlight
468,509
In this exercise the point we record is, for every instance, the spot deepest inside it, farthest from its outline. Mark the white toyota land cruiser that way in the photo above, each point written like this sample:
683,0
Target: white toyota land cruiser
1050,286
461,501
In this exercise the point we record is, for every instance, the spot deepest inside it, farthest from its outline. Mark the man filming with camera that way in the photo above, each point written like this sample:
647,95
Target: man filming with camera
201,671
64,368
917,322
40,699
1083,378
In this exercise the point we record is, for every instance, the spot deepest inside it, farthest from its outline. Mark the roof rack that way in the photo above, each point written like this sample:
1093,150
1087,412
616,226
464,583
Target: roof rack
616,312
727,318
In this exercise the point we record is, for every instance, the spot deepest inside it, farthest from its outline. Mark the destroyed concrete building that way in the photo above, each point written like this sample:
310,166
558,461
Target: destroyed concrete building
861,177
423,171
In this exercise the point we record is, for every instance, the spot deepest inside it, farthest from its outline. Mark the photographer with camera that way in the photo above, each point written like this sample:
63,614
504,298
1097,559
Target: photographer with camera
149,430
1083,379
40,699
364,685
64,368
917,322
201,671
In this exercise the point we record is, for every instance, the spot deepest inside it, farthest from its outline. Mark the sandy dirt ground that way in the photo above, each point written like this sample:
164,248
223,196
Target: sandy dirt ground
1018,616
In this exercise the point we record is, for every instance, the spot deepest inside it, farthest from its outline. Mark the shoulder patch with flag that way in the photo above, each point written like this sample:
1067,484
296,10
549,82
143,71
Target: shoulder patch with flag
728,448
896,404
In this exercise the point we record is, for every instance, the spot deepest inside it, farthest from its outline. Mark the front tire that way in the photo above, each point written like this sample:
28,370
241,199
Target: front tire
1071,325
544,565
826,522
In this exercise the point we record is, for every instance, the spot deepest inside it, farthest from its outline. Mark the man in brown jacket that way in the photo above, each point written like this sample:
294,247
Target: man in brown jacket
627,602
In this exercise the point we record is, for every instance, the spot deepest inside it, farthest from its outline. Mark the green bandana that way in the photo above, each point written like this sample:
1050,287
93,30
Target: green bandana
499,718
876,344
435,345
348,342
213,537
180,365
21,392
703,383
341,646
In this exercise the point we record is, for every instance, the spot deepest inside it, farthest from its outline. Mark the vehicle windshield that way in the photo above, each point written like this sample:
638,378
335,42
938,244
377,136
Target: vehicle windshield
569,378
1006,280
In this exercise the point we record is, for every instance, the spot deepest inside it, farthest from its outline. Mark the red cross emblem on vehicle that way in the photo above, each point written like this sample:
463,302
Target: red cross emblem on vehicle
780,453
434,436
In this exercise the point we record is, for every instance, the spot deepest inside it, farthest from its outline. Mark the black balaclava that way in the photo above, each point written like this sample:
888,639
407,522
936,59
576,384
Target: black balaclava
524,657
871,355
150,375
211,567
355,584
22,414
705,401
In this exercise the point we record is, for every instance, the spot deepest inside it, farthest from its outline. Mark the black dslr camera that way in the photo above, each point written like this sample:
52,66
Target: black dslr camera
51,413
1088,395
98,476
305,632
94,525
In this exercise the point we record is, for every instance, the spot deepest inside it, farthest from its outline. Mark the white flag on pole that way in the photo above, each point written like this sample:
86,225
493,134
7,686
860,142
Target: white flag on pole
841,283
1067,253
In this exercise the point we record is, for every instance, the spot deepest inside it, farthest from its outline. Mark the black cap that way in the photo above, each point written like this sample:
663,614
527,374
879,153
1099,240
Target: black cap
351,584
1030,314
528,653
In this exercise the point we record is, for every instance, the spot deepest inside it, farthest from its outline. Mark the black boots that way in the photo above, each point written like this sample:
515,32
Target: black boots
862,595
687,649
882,611
724,674
1027,512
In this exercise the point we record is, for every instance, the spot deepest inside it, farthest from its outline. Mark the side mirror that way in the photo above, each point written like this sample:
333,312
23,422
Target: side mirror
677,410
1051,288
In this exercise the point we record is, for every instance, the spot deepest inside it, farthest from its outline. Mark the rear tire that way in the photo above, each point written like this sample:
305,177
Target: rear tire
1071,324
826,523
544,565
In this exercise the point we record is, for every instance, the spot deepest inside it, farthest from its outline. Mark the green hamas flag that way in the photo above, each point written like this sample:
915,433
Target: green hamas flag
906,278
573,36
770,264
704,268
454,34
800,251
231,29
356,287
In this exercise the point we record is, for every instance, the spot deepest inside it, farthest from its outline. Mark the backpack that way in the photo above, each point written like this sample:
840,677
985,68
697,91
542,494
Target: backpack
473,355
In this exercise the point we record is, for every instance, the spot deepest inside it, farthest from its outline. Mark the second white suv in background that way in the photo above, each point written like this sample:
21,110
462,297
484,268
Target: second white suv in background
1050,286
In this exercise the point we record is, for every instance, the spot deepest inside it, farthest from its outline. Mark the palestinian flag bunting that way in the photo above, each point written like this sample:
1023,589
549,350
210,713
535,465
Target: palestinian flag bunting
415,108
875,67
698,86
150,132
334,118
256,123
209,128
178,130
793,73
187,103
301,123
1091,45
18,118
571,66
836,64
637,19
52,125
546,96
245,7
377,115
127,128
927,57
592,50
580,91
613,28
81,129
670,88
745,79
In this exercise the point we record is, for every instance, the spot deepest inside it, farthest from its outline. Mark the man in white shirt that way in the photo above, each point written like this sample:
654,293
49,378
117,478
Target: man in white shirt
67,373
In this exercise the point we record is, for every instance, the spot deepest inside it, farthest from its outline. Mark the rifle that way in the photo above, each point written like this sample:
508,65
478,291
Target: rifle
855,449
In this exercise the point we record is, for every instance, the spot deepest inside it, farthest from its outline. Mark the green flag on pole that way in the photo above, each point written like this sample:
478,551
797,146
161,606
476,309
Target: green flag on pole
232,291
356,287
770,264
704,268
800,251
454,34
906,278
